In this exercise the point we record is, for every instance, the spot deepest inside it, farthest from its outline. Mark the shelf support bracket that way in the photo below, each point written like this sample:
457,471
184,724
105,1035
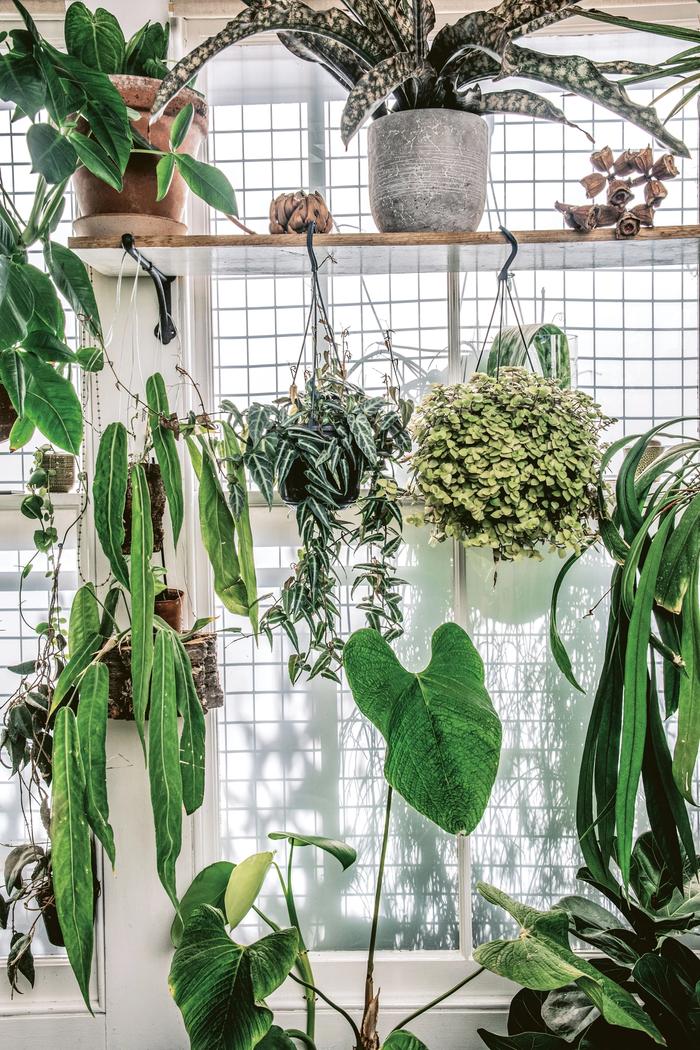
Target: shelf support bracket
165,330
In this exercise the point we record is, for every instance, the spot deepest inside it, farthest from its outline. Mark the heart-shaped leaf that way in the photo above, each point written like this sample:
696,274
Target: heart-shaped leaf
208,887
443,735
343,853
219,985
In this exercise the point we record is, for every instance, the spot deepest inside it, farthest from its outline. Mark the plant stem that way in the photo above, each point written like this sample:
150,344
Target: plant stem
294,1033
440,999
334,1006
369,980
303,963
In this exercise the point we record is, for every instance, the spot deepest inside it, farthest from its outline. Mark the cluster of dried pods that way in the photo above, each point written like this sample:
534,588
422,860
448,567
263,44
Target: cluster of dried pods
294,212
620,177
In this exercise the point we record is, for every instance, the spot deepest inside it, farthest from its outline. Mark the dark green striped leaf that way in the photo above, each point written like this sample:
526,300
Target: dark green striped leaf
92,731
109,497
685,754
192,740
142,587
165,448
680,559
164,763
71,858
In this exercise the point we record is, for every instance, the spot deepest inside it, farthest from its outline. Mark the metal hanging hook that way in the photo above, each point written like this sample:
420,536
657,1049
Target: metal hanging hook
165,330
514,248
310,247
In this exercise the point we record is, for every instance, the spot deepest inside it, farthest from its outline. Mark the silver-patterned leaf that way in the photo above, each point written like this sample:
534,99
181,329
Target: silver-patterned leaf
376,85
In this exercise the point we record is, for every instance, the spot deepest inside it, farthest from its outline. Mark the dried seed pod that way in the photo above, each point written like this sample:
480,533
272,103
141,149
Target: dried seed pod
655,193
578,218
626,163
294,213
664,168
602,159
643,160
594,184
619,193
608,215
628,226
644,213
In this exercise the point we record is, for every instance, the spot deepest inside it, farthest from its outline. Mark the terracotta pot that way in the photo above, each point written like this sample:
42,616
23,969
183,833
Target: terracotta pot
60,468
170,606
102,211
8,415
157,493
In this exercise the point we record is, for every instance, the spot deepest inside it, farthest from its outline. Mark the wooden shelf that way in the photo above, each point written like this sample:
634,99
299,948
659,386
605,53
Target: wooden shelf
387,253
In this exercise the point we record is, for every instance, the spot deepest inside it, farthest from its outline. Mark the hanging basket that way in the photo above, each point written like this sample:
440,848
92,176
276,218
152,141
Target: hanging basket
202,651
157,493
543,347
60,470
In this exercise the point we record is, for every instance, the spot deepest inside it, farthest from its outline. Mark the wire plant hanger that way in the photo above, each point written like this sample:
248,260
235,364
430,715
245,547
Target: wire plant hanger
504,296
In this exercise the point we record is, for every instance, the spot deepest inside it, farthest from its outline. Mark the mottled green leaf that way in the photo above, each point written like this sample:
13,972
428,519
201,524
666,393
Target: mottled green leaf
109,497
92,732
164,763
192,741
375,87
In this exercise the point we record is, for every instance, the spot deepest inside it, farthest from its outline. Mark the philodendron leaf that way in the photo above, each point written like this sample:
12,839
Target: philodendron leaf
164,762
72,279
92,732
443,735
376,85
53,405
244,885
541,958
109,497
221,999
208,887
142,587
403,1041
343,853
95,39
165,448
277,1039
71,857
51,153
568,1012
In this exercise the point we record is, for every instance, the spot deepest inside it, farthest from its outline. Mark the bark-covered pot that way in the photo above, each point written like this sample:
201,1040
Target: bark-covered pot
156,492
8,416
428,171
103,211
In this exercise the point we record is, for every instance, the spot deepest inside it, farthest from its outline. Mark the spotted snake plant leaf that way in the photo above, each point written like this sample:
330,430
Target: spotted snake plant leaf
527,104
443,735
270,16
375,87
222,1003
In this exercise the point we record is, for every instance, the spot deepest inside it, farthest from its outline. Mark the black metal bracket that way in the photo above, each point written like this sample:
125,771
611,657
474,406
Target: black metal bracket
514,248
165,330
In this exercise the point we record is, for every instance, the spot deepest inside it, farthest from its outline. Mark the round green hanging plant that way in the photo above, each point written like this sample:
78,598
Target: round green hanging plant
508,462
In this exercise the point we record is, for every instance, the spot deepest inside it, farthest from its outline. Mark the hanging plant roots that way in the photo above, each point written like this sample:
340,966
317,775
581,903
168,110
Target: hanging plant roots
202,651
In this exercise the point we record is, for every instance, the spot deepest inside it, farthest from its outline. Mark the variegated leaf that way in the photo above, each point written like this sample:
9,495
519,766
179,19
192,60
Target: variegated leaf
266,16
481,31
376,86
337,59
518,14
528,104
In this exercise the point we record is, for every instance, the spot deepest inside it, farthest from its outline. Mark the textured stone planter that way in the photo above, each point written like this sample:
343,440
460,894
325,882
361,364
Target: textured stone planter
104,212
428,170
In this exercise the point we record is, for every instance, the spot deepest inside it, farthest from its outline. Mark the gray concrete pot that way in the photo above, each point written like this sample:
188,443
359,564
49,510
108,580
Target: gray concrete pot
428,170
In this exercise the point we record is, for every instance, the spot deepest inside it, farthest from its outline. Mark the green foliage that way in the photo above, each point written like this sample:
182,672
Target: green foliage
92,733
509,463
222,1002
403,1041
541,346
244,885
344,854
626,741
164,763
109,495
218,532
443,736
142,588
165,449
192,740
380,53
95,38
208,887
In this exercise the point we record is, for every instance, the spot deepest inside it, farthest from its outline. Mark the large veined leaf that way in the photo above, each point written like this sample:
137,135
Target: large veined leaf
51,153
84,620
376,86
164,763
403,1041
685,754
96,159
53,405
74,670
95,38
109,497
208,887
218,535
16,303
344,854
71,277
142,587
71,858
221,1001
542,959
207,182
443,735
635,699
244,885
277,16
165,448
680,559
48,312
13,378
192,740
92,733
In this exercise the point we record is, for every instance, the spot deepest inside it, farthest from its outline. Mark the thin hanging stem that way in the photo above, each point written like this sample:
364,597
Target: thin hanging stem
369,980
333,1006
438,1000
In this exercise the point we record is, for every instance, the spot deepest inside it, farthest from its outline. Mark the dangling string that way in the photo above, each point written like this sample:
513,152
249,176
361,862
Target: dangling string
504,279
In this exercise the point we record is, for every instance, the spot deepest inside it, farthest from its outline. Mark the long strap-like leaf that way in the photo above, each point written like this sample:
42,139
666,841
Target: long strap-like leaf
92,731
71,858
685,755
142,586
218,535
192,740
244,532
109,497
165,448
164,763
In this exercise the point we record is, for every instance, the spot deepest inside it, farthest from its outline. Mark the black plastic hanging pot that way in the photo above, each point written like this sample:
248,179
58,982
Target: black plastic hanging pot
295,487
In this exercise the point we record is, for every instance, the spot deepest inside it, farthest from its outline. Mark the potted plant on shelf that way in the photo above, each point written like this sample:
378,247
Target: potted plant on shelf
52,471
426,96
443,740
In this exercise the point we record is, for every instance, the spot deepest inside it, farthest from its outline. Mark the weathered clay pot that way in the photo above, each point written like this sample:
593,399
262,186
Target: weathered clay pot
8,416
60,468
170,606
428,171
102,211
